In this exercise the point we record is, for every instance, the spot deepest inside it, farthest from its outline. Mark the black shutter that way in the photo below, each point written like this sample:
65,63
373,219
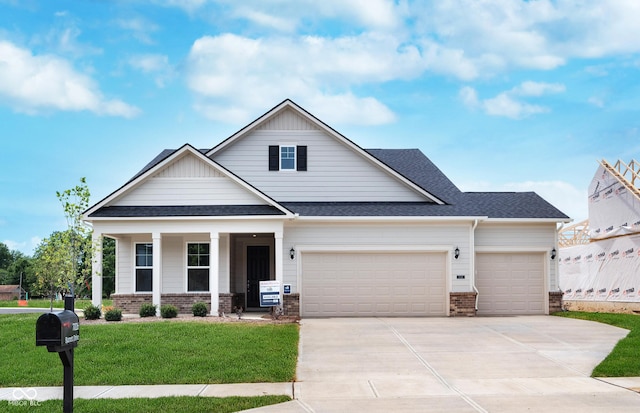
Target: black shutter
274,158
301,155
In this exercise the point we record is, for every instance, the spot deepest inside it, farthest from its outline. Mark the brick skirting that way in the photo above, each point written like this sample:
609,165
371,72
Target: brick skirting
130,303
555,301
462,304
291,305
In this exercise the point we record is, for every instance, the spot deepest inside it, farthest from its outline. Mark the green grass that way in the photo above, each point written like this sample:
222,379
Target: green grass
159,405
162,352
41,303
624,359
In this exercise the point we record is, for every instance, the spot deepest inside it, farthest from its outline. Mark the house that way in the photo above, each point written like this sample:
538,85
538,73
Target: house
352,232
11,292
599,260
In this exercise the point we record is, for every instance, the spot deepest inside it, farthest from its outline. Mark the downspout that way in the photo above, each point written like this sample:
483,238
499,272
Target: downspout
473,261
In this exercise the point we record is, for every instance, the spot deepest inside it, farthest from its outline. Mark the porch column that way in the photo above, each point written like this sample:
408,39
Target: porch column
214,269
96,269
279,252
156,283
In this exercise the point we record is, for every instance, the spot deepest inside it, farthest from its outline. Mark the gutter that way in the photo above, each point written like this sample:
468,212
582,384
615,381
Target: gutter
473,262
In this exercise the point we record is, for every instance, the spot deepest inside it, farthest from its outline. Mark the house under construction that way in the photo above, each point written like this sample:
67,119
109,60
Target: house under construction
599,259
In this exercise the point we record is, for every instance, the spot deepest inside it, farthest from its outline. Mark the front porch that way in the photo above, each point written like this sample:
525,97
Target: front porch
222,269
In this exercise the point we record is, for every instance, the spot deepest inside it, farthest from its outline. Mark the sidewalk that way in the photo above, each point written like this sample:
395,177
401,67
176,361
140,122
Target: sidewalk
148,391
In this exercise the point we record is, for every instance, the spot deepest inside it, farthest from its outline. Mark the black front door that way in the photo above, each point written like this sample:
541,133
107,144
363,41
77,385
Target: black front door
257,270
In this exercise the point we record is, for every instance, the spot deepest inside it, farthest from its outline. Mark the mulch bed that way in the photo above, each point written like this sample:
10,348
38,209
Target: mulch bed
252,319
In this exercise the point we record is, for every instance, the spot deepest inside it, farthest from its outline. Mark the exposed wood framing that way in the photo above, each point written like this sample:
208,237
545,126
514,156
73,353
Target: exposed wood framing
628,175
576,234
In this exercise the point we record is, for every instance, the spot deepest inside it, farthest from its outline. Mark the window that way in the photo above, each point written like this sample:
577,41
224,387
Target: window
144,267
197,267
287,158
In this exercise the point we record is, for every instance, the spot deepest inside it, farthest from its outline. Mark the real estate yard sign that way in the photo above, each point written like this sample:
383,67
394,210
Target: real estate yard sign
269,293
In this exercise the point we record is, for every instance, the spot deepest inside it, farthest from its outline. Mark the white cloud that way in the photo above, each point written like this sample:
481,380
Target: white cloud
34,83
156,64
141,29
509,103
26,247
596,101
234,75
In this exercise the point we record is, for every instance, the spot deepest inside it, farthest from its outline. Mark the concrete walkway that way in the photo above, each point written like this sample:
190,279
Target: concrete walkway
506,364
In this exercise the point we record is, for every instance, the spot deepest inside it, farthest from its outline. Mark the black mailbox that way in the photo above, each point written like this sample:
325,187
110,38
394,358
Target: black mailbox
58,331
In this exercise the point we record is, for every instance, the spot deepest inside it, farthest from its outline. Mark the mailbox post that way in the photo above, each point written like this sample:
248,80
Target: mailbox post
60,332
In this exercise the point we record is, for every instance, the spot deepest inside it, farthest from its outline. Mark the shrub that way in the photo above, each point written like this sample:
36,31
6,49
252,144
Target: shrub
168,311
147,310
92,312
112,314
199,309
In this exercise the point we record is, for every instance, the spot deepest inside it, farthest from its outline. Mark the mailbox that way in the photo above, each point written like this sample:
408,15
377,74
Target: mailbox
58,331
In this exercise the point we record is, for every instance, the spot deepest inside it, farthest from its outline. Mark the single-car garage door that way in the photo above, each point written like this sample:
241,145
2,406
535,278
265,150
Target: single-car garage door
510,283
373,284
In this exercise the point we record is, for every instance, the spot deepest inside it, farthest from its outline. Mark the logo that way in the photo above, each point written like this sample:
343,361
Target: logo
24,397
628,253
589,257
602,255
621,190
609,229
578,258
614,254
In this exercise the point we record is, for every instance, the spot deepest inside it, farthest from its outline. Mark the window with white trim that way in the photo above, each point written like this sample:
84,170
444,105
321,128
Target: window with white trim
144,267
287,158
198,266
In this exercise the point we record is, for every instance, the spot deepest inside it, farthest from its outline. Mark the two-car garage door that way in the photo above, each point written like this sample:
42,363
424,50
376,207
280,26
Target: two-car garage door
510,283
373,284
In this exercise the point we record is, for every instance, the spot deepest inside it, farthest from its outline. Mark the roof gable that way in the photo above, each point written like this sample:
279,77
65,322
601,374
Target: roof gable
288,123
184,177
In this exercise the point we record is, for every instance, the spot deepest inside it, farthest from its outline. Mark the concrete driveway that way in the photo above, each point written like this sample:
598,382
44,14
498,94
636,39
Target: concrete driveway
505,364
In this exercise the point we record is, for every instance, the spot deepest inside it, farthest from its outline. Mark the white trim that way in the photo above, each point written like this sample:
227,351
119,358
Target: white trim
320,125
391,218
295,157
509,248
135,266
526,220
199,217
187,267
442,249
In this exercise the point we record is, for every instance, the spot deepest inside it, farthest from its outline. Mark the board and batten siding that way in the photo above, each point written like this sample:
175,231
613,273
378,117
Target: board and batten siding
188,181
383,237
519,237
335,172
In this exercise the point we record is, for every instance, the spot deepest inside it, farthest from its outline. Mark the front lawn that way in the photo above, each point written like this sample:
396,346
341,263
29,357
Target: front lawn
162,352
159,405
624,360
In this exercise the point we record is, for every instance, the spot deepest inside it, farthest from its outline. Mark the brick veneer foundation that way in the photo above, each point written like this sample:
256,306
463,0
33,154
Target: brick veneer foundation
130,303
291,305
462,304
555,301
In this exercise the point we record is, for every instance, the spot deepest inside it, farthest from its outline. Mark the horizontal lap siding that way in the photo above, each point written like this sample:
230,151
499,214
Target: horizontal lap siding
334,171
188,191
349,236
124,269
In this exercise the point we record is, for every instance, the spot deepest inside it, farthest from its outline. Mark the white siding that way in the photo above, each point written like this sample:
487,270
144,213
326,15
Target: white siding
334,171
173,265
391,237
187,181
124,270
287,120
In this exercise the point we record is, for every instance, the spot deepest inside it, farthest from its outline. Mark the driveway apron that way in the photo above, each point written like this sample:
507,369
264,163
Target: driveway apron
482,364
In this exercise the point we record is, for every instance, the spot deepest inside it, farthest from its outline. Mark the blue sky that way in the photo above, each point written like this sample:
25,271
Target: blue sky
503,95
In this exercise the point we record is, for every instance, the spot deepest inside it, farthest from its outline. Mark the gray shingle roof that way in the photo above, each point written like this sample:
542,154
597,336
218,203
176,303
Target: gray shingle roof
410,163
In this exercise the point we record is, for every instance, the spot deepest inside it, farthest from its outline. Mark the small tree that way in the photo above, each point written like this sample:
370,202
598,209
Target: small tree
64,258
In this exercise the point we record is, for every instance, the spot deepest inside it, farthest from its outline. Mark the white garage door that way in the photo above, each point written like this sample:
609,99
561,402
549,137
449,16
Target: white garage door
372,284
510,283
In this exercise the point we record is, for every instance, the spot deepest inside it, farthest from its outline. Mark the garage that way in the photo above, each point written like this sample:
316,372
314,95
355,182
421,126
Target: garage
365,284
510,283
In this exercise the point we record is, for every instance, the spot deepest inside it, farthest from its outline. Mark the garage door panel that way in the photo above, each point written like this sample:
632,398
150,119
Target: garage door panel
510,283
373,284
